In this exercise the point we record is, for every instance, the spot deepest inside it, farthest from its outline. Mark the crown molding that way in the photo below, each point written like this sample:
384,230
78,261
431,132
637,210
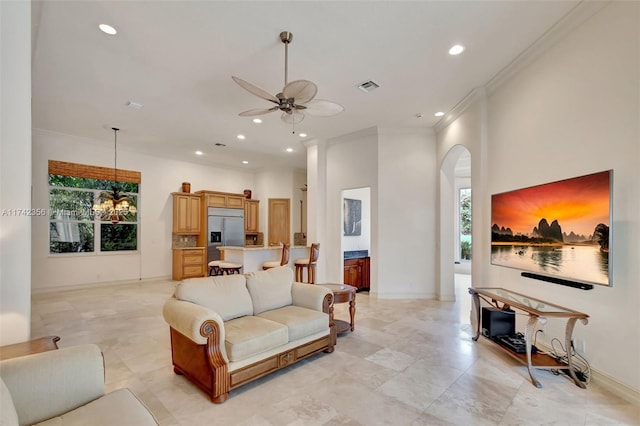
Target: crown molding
569,22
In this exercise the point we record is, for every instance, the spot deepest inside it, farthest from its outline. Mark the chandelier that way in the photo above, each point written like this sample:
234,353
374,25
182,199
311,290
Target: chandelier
113,205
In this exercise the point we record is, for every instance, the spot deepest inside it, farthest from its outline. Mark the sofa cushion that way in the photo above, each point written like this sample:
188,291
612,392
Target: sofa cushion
301,322
227,295
249,335
8,415
270,289
116,408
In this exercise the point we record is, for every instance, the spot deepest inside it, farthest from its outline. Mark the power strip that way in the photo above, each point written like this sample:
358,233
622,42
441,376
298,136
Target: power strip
579,374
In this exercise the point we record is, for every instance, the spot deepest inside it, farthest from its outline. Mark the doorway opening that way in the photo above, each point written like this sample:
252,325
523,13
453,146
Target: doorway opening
455,219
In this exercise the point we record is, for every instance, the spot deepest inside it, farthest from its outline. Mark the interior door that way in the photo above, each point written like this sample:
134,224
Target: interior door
279,221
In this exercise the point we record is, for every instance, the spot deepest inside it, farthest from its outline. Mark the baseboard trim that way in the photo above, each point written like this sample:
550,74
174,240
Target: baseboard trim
612,385
56,289
377,295
616,387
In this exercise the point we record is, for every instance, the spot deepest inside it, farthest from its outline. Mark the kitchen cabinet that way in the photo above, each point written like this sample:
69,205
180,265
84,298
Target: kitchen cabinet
186,214
188,263
251,216
221,199
356,272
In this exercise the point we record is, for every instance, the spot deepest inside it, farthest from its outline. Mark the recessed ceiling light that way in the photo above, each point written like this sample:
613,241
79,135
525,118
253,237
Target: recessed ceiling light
289,149
241,137
439,114
107,29
257,120
303,135
199,152
456,49
245,162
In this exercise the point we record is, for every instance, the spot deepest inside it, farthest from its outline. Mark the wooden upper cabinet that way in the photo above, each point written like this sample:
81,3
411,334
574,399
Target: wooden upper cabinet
251,216
186,214
221,199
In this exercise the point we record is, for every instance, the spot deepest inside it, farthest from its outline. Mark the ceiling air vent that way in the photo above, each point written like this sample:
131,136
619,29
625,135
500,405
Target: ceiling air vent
220,144
368,86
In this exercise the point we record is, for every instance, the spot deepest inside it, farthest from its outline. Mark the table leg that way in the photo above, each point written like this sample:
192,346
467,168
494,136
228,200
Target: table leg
476,307
529,332
568,332
352,311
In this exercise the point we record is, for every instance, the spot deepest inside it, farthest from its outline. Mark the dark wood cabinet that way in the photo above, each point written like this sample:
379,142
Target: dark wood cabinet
356,273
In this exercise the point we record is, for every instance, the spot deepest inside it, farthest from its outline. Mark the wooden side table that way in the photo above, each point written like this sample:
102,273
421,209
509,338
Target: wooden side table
43,344
343,293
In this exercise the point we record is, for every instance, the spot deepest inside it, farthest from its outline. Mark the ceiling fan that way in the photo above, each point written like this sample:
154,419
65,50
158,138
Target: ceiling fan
296,98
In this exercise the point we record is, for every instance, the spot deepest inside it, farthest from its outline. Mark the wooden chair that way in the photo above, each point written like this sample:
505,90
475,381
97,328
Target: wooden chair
308,263
284,259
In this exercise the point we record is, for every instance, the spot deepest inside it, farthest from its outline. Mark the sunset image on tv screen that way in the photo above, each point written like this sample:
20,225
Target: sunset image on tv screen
559,228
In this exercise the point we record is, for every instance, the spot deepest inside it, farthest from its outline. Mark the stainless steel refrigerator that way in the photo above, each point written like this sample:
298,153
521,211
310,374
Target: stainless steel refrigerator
225,227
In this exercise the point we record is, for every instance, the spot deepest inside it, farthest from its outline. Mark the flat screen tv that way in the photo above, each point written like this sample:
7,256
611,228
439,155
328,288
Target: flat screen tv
559,229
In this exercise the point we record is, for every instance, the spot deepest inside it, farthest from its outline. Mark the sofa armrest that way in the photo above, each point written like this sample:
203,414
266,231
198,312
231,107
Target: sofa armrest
48,384
188,318
309,296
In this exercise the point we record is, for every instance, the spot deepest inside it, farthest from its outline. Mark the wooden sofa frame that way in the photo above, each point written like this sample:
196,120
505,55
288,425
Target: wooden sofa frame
205,365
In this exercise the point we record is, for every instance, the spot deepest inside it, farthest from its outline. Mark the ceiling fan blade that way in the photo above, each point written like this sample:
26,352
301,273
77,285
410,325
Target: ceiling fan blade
255,90
322,108
258,111
293,117
300,90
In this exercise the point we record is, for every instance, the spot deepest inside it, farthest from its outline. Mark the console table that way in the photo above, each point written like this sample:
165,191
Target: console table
539,311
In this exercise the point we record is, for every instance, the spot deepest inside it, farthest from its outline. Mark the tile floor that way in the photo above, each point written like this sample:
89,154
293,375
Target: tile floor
409,362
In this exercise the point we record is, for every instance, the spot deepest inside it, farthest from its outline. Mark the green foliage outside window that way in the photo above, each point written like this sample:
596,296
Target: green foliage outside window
465,223
73,226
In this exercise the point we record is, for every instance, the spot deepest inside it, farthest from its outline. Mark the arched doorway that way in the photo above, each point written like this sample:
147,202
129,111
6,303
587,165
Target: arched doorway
455,176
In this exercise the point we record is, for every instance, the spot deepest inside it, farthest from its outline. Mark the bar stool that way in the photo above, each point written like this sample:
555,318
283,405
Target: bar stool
229,268
284,259
309,264
214,267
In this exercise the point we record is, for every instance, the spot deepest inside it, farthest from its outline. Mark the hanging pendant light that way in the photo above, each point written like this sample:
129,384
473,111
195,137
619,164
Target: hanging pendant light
112,204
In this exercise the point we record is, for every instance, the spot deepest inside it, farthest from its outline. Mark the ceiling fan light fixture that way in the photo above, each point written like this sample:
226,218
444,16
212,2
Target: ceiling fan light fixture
296,97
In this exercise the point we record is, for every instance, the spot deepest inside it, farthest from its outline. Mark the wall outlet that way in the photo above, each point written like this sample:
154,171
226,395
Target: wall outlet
580,346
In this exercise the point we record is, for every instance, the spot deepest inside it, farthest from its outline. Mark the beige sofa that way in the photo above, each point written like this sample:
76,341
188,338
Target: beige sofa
229,330
65,387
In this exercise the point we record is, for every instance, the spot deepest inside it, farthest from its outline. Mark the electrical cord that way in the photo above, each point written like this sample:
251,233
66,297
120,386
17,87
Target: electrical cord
580,365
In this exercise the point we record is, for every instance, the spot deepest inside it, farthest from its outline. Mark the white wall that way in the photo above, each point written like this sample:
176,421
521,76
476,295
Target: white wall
351,162
407,179
15,171
574,110
160,177
399,167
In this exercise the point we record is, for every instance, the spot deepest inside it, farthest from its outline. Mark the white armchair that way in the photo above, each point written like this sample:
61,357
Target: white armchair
65,387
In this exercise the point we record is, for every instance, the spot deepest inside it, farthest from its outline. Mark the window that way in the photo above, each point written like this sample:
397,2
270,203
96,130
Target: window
465,223
74,227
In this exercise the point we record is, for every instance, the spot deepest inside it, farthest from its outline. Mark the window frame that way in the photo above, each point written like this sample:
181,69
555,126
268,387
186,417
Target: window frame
100,173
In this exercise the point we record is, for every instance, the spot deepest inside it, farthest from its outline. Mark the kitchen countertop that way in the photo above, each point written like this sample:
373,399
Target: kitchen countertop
254,248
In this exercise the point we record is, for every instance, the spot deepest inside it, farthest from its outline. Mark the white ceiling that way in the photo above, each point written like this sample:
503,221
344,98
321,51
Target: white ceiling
177,58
